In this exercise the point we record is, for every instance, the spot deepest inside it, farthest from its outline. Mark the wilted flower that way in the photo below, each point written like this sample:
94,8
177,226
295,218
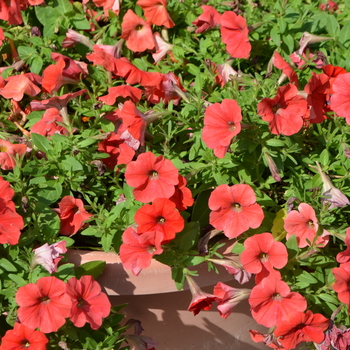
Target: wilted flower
332,195
48,256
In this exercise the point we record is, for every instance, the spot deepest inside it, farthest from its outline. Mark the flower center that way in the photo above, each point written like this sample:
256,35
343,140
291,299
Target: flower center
276,296
151,249
276,107
153,175
231,126
81,303
25,344
139,27
236,207
3,149
310,224
161,220
45,299
264,257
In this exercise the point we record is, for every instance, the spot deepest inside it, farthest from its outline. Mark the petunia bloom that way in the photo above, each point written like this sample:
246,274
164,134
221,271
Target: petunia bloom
228,297
271,301
285,112
137,33
44,304
342,283
160,216
304,225
268,339
8,154
11,223
153,177
48,124
22,337
156,12
234,33
121,91
200,299
89,303
72,215
119,152
210,18
137,251
183,195
48,256
340,100
221,124
280,63
344,257
262,252
301,327
17,86
234,209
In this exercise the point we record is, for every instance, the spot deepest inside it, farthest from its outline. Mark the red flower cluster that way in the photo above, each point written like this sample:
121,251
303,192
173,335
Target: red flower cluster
11,223
47,303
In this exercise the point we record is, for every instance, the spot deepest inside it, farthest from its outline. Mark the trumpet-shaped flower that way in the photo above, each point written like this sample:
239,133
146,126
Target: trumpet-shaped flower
89,303
210,18
153,177
8,153
22,337
234,33
160,216
221,124
44,304
234,209
156,12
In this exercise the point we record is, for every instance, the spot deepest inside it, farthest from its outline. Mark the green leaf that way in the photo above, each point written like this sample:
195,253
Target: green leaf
41,142
92,268
275,143
17,279
187,237
344,35
25,51
65,6
332,26
72,164
106,125
50,194
7,266
36,64
106,241
276,36
80,22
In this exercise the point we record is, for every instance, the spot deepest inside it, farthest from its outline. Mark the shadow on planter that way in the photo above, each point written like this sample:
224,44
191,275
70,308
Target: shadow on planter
154,300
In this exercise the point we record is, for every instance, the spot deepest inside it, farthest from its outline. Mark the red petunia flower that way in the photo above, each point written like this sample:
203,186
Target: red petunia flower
228,297
48,124
153,177
317,90
137,33
271,301
263,252
285,112
160,216
6,192
89,303
268,339
221,124
102,58
342,283
17,86
280,63
182,196
340,100
162,48
134,121
11,223
210,18
10,11
234,33
124,91
344,257
301,327
200,300
44,304
234,209
22,337
8,154
58,102
137,251
54,77
108,5
119,152
304,225
156,12
72,215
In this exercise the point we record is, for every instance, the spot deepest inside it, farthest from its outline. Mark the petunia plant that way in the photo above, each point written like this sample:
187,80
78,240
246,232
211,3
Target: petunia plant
162,129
